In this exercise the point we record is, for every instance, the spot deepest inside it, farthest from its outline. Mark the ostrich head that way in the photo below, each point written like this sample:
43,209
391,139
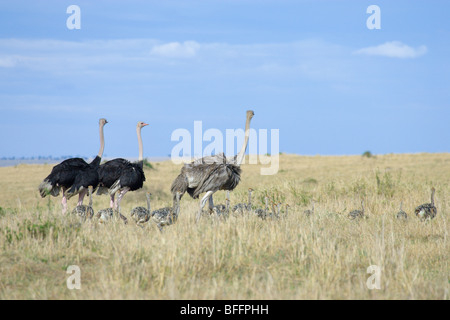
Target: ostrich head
433,190
250,114
102,121
141,124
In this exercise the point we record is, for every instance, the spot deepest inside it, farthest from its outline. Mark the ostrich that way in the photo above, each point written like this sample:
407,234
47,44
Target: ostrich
120,175
167,216
108,213
310,212
140,214
105,215
278,210
275,214
85,211
241,207
223,210
428,210
357,213
263,213
211,174
287,208
73,176
401,215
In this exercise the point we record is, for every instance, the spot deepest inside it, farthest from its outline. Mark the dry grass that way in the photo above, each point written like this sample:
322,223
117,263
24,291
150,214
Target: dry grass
324,256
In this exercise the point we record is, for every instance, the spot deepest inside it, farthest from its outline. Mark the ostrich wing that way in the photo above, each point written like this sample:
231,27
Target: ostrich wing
111,171
216,177
85,178
132,177
209,173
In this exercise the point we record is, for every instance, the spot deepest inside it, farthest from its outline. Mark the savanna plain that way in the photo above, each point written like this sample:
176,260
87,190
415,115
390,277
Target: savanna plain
321,256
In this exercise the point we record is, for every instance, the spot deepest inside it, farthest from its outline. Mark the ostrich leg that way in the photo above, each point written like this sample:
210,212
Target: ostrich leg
64,201
119,199
203,203
81,196
211,204
111,202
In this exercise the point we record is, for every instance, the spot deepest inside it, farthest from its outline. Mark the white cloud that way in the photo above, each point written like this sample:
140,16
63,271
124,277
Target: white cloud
393,49
186,49
7,62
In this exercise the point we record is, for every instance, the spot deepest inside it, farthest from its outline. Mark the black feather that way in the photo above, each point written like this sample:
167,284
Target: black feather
72,174
130,174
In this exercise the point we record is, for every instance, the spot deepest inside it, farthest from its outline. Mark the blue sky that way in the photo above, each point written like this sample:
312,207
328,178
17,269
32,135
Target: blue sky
311,69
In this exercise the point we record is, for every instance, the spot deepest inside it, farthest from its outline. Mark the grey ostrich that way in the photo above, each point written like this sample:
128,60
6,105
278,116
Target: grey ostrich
73,176
275,214
309,212
223,210
105,215
427,211
211,174
263,213
167,216
121,175
287,208
357,214
140,214
401,215
84,211
241,207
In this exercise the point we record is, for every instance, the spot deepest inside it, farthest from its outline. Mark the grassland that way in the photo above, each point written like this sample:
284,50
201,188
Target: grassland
324,256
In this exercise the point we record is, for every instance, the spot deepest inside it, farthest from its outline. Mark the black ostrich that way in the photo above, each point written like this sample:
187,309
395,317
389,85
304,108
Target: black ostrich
121,175
211,174
73,176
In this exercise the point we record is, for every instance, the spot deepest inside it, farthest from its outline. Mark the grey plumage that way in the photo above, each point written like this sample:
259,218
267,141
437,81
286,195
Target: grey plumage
140,214
309,212
167,216
223,210
357,214
401,215
105,215
263,213
84,211
427,211
197,177
241,207
211,174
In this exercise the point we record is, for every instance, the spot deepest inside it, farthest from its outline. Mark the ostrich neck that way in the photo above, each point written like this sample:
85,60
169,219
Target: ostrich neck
141,149
249,198
148,203
177,207
241,154
432,197
102,142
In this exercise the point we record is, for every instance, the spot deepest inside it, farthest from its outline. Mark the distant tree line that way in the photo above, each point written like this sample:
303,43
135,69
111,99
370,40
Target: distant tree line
42,158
